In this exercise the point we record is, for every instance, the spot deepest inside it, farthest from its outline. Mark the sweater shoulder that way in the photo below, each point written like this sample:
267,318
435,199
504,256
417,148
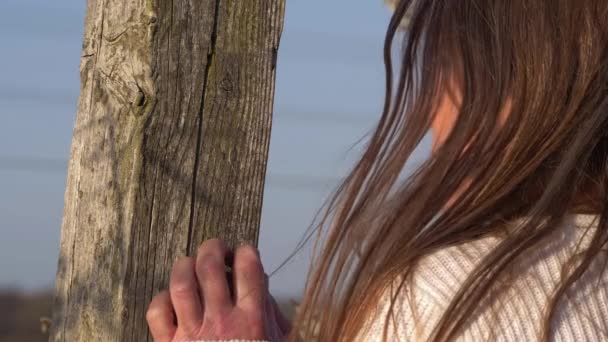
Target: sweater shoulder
515,312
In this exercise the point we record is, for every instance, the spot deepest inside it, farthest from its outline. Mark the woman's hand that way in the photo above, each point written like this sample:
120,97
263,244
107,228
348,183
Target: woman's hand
202,303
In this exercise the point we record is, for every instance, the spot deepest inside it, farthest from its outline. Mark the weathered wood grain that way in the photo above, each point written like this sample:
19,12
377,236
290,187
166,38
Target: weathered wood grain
170,148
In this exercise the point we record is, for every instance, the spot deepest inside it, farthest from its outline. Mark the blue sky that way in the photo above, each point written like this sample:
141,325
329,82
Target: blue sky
329,94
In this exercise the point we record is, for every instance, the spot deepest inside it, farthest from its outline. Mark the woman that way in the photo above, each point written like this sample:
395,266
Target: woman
500,235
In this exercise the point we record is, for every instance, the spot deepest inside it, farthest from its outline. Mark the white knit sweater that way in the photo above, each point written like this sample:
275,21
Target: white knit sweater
518,314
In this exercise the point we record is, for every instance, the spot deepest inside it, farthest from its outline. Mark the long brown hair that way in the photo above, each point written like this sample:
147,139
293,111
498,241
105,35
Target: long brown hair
547,62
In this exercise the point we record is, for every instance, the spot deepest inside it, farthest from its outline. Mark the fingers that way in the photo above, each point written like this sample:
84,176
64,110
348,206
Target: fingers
185,297
211,273
160,318
249,279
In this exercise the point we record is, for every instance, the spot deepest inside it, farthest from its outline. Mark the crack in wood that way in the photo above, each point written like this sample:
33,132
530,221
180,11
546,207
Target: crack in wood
210,60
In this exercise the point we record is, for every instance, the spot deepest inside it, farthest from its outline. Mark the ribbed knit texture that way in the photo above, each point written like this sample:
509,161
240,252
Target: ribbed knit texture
517,314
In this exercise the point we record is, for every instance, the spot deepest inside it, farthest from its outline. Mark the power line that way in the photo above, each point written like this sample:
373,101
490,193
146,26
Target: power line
70,98
73,29
59,166
41,165
38,95
43,7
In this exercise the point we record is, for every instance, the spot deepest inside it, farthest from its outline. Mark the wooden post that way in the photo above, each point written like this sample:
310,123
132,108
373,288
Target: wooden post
170,148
